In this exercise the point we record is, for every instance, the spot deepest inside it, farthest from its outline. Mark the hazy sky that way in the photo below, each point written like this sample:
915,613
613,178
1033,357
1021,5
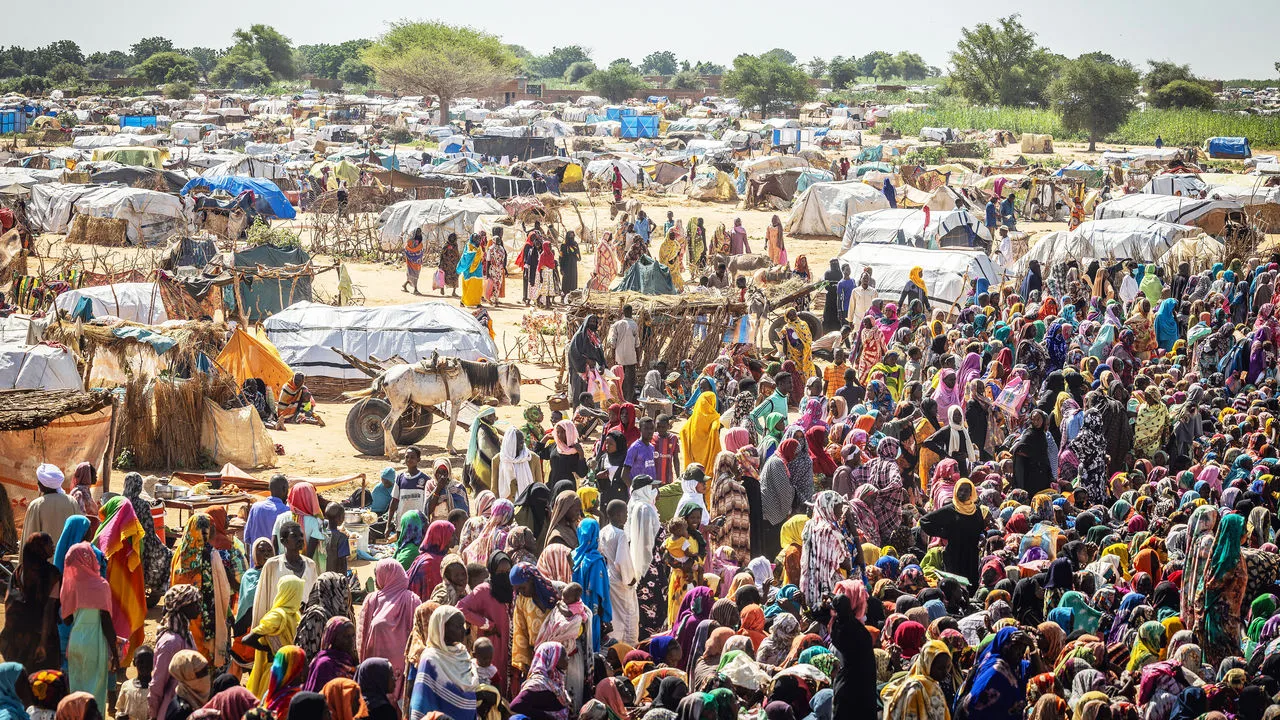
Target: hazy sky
1238,42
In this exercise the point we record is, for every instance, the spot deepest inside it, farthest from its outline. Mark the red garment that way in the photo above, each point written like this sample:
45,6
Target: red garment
548,258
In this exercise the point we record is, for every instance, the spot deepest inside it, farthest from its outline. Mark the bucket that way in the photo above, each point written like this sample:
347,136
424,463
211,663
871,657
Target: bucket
361,533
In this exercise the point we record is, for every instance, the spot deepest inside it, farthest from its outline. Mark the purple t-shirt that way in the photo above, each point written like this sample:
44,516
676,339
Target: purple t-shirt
640,458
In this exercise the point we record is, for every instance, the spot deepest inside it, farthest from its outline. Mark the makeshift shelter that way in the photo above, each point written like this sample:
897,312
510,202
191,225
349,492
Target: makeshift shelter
1209,215
248,356
1232,148
305,334
647,276
1114,239
436,218
148,216
902,226
712,185
947,273
1200,252
269,200
236,436
266,280
639,126
141,177
601,171
825,208
65,427
1184,184
1032,143
143,156
38,367
132,302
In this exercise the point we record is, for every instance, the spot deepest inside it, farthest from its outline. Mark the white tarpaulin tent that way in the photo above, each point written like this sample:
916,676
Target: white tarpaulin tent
1166,208
825,208
906,226
150,215
133,302
1187,184
437,218
947,273
603,170
756,167
304,332
1117,239
39,367
93,142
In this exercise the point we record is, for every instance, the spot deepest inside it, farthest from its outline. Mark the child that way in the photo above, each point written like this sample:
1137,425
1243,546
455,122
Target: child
588,416
482,661
680,552
48,687
666,451
338,544
569,623
132,701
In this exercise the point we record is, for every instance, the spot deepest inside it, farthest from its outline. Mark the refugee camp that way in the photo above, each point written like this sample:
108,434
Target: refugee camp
671,362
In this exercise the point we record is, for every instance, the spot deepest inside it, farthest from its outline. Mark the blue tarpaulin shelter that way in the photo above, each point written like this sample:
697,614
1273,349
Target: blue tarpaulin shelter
137,121
639,126
12,121
617,113
1228,147
266,191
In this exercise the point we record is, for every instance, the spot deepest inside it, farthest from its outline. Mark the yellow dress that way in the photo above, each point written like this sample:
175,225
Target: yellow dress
276,629
680,548
671,254
803,355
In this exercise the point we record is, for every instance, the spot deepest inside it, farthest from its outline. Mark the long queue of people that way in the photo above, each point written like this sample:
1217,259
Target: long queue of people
1058,503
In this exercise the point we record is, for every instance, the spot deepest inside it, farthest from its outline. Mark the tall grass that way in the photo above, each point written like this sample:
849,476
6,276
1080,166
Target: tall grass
1175,127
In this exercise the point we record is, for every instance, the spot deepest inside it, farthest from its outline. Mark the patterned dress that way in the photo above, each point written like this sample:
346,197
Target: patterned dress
651,591
729,500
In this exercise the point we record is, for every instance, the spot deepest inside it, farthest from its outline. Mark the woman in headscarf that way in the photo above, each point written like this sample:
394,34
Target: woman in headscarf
470,268
961,524
120,540
543,696
382,629
700,435
1090,447
190,672
1152,422
778,494
494,535
484,446
336,657
775,242
445,681
591,572
488,608
377,680
514,471
831,306
535,598
562,526
645,537
330,598
288,670
86,602
919,695
868,348
342,695
181,603
30,634
274,631
953,441
704,669
825,551
775,648
424,574
1035,455
195,563
729,501
83,480
1218,597
155,554
996,687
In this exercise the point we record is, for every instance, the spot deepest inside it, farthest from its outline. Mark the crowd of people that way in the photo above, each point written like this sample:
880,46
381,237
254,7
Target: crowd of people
1056,502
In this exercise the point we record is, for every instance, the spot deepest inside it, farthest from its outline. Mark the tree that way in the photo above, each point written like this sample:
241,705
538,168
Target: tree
432,58
206,58
1184,94
1093,96
867,63
1162,73
781,55
625,64
265,43
42,59
146,47
660,63
708,68
178,91
579,70
168,66
114,60
1001,64
31,84
888,67
765,82
65,72
615,83
817,67
326,60
239,70
354,70
554,63
843,72
9,68
913,66
687,80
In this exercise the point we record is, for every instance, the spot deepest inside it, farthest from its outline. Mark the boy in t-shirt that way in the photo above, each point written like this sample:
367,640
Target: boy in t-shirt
641,456
410,486
338,544
666,451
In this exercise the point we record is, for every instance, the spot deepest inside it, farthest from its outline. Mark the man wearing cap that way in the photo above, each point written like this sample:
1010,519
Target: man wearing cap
49,512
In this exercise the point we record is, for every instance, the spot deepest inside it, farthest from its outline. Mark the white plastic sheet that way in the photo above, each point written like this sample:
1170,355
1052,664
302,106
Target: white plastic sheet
825,208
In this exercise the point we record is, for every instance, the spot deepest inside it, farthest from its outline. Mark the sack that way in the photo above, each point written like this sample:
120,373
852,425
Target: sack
1012,397
595,386
437,280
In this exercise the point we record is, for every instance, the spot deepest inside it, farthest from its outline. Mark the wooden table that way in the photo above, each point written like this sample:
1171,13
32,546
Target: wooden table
186,507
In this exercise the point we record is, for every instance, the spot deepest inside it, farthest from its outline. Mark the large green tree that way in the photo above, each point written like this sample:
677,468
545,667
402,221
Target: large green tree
1001,64
660,63
206,58
1181,94
326,60
782,55
1162,73
239,70
843,72
168,66
867,63
1093,96
912,66
766,82
578,71
616,83
554,63
265,43
146,47
432,58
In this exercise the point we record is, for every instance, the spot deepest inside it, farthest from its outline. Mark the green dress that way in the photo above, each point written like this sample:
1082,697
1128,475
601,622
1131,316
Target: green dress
88,658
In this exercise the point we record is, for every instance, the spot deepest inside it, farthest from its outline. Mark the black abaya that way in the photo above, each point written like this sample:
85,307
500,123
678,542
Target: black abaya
854,686
1031,468
962,533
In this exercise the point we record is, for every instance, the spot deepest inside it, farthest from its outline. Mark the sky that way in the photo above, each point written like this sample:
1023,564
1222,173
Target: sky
1219,45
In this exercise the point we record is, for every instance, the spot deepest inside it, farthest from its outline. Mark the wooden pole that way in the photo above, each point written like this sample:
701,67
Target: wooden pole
111,447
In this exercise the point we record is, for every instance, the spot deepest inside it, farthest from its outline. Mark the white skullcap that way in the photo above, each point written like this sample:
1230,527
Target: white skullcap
49,476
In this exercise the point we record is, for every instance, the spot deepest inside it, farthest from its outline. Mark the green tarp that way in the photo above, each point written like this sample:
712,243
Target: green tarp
647,276
265,296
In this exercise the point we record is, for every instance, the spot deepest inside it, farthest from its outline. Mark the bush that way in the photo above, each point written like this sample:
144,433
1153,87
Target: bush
399,136
261,233
1180,94
615,84
31,84
178,90
579,70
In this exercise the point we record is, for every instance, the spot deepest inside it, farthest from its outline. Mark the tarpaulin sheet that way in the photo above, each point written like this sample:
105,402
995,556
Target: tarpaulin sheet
264,296
825,208
647,276
640,126
947,273
246,356
1228,147
134,302
38,367
264,191
65,442
236,436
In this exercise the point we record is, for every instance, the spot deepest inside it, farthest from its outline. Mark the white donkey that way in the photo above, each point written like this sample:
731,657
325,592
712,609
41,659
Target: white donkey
450,380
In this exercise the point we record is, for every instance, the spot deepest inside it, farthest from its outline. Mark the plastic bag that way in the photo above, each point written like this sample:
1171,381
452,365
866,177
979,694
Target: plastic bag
1013,396
595,386
437,280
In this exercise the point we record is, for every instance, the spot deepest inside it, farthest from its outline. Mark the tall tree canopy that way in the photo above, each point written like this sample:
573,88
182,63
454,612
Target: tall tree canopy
1001,64
765,82
1094,96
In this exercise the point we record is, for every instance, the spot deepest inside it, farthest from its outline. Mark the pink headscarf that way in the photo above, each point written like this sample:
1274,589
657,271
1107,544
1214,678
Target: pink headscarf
857,594
82,583
387,615
556,563
736,439
570,437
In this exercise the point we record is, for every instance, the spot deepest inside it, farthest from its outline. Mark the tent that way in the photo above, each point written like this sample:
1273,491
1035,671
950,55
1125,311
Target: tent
901,226
305,332
1228,147
249,166
149,215
270,279
437,218
236,436
65,426
252,356
947,273
825,208
1201,252
141,177
1032,143
267,193
38,367
1167,208
132,302
602,170
755,167
1184,184
144,156
639,126
1118,238
646,276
